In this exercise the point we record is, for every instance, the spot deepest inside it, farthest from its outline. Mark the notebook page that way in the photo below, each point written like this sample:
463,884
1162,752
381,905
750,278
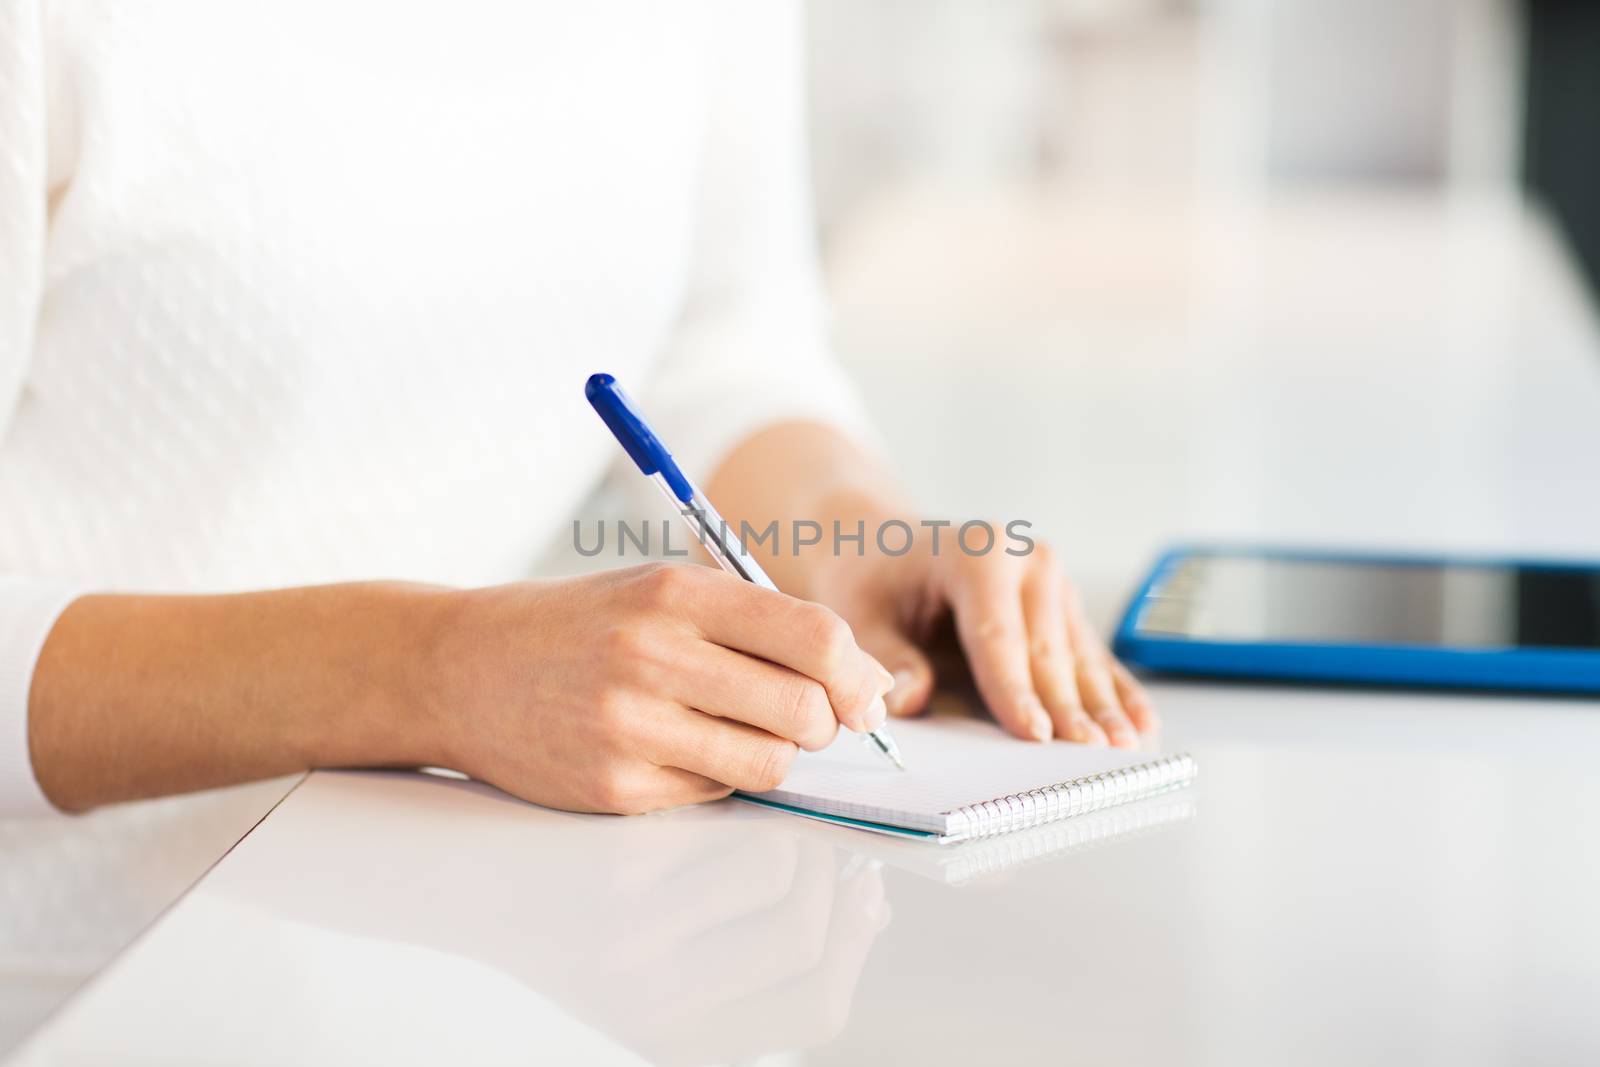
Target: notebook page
951,761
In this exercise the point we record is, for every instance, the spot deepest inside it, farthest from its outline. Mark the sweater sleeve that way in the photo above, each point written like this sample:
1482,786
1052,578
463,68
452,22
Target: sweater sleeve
28,607
751,346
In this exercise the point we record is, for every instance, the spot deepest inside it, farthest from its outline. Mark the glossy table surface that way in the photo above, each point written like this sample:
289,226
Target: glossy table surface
1358,876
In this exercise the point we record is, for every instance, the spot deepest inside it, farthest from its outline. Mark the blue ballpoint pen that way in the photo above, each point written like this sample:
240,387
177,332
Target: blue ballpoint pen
645,448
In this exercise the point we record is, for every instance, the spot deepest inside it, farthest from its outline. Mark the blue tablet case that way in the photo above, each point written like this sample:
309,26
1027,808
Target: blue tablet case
1522,669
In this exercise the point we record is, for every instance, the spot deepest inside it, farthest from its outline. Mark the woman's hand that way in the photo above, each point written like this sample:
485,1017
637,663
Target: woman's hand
1038,664
636,689
641,688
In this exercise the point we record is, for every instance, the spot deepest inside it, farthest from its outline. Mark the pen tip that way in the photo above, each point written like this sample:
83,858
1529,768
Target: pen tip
879,741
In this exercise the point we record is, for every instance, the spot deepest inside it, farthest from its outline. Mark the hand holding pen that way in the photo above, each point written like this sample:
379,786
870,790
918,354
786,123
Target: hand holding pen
723,544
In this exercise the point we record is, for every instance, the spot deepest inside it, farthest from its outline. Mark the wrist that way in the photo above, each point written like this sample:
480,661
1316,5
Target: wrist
465,654
389,710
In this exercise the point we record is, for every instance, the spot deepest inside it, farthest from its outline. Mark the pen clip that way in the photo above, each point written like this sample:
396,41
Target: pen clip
616,410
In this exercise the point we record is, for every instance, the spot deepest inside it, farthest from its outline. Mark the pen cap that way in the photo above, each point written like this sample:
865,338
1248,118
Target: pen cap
616,410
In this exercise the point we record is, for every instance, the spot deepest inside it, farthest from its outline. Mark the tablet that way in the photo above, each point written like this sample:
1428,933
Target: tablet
1383,619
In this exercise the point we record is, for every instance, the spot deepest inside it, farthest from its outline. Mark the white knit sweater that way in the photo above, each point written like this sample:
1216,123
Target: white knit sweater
308,290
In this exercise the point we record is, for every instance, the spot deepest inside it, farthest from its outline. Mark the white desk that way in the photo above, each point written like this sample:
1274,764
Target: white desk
1359,877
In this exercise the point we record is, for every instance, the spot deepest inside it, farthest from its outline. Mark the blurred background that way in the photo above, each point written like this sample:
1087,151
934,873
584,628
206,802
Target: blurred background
1201,231
1176,97
1204,98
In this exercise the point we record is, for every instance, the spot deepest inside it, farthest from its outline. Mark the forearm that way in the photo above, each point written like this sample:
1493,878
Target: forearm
805,471
137,696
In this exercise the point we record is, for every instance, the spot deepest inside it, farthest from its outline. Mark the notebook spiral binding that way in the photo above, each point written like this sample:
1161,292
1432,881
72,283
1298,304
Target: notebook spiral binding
1067,799
979,859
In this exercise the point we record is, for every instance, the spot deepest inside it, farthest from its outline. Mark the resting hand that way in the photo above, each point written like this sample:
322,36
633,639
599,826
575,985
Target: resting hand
1038,664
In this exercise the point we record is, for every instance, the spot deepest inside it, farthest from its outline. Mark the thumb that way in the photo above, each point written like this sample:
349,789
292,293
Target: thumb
913,674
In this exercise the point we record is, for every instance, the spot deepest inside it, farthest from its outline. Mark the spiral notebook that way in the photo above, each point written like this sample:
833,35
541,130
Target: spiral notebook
989,857
967,779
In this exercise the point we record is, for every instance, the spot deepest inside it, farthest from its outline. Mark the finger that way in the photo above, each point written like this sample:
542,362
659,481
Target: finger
992,631
680,787
913,674
792,633
1100,701
733,753
732,685
634,790
1095,688
1050,655
1135,699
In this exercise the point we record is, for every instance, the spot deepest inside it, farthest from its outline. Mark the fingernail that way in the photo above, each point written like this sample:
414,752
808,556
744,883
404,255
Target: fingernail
1076,730
877,713
1124,739
903,680
1040,727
